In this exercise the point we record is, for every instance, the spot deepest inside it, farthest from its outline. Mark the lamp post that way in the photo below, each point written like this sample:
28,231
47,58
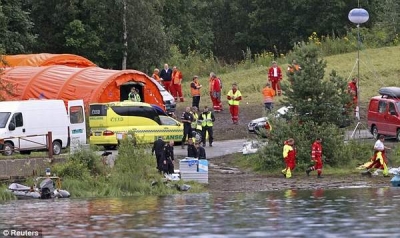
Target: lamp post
358,16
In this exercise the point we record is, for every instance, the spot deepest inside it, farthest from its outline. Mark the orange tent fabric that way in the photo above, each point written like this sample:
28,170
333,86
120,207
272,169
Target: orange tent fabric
92,84
45,59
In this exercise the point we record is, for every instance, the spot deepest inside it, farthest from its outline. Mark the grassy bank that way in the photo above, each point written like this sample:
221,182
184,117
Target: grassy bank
378,67
134,173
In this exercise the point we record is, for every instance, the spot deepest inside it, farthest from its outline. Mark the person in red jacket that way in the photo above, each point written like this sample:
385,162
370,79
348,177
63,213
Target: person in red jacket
316,157
275,76
215,92
353,92
289,155
177,84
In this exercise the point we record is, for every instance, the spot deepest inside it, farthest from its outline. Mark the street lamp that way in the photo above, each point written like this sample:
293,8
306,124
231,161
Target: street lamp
358,16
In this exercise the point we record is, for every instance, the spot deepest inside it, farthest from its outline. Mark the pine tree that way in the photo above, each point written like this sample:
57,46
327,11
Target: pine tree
312,97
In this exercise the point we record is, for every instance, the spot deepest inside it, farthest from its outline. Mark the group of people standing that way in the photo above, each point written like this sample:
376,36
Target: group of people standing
171,79
201,123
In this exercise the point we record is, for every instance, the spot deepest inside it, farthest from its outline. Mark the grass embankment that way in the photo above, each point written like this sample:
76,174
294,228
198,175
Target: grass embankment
134,173
378,67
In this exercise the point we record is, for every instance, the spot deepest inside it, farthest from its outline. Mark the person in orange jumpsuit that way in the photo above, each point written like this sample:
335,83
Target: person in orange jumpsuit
316,157
177,84
289,155
215,92
275,76
268,97
155,75
293,68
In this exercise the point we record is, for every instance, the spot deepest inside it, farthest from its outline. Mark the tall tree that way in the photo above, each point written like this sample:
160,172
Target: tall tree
16,35
313,98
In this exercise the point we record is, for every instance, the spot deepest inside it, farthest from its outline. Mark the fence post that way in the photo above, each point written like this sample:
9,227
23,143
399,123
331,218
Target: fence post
50,145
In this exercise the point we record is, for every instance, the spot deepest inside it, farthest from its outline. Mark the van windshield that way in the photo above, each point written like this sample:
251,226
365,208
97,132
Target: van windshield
4,118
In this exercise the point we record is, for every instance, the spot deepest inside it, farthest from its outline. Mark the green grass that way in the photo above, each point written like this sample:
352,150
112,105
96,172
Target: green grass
378,67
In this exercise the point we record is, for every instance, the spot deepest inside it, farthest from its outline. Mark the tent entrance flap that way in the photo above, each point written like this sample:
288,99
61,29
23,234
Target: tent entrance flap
125,89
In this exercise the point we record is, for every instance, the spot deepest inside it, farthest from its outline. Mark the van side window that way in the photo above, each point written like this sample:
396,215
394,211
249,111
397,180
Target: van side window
392,109
17,119
147,112
76,115
382,107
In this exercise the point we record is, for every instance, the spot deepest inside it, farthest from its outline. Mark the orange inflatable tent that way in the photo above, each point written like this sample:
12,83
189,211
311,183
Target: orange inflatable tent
45,60
92,84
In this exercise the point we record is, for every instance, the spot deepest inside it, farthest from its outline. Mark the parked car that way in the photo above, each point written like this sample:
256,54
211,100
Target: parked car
169,101
110,122
384,113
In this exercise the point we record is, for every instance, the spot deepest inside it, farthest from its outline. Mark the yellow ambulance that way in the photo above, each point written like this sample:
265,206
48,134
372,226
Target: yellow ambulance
110,122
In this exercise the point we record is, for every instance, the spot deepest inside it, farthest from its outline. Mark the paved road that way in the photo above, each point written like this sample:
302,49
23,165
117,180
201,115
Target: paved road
219,148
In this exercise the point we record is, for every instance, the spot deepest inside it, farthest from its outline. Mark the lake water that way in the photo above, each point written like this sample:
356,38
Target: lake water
350,212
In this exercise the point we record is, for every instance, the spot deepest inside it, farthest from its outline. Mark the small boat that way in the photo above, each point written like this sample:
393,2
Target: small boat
49,187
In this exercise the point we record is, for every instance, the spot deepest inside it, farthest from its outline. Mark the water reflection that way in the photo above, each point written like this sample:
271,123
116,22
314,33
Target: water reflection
361,212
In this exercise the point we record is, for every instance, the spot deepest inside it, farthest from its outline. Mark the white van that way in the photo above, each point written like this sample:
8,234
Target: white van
169,101
24,125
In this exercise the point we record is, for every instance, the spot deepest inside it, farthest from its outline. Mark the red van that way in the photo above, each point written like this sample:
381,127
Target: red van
384,113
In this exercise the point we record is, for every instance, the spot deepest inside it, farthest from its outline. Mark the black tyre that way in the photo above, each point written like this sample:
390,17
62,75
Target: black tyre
398,135
56,148
374,131
110,147
8,149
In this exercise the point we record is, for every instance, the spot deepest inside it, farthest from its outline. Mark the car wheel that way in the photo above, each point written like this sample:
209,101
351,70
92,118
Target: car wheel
398,135
56,148
8,149
374,132
110,147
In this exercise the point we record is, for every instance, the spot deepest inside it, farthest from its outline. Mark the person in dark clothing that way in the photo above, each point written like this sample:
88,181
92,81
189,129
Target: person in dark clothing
158,149
192,151
187,119
166,77
201,152
207,122
169,158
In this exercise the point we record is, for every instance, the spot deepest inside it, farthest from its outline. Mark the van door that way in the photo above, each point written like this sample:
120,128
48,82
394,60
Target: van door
382,119
392,119
77,124
18,129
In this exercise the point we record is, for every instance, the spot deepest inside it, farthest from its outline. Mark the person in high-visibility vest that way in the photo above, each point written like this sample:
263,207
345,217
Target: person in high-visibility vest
289,155
234,96
134,95
156,77
207,122
379,159
196,124
195,87
268,97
